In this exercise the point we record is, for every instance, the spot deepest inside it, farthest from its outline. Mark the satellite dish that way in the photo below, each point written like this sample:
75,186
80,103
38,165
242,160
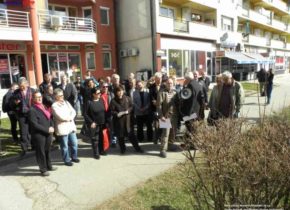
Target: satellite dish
224,37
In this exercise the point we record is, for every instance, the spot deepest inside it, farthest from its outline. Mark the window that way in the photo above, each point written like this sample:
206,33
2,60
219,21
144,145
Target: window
87,12
227,24
90,58
166,12
107,60
105,16
175,63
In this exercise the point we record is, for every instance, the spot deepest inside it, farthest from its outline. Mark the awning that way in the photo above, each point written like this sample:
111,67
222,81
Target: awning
240,58
258,57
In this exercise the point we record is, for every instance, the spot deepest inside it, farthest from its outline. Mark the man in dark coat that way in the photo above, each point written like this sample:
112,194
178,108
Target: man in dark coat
7,106
69,91
262,78
47,81
22,101
190,105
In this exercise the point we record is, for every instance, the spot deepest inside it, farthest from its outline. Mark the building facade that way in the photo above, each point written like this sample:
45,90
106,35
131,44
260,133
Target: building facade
176,36
56,36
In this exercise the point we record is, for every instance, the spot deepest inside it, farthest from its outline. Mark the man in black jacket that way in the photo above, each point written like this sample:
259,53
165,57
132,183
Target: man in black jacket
22,101
191,100
69,91
47,81
262,78
7,106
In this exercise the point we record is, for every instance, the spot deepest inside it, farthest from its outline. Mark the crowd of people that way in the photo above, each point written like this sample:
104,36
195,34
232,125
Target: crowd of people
111,109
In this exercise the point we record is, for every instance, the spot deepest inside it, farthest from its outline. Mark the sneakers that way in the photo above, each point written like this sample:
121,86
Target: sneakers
163,154
75,160
45,173
103,153
68,163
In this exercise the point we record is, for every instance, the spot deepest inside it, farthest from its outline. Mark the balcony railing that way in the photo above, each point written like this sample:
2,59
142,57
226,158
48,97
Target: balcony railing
13,18
200,30
181,26
66,23
278,4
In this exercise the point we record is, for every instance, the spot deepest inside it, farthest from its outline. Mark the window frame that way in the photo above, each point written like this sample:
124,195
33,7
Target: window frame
94,56
110,59
167,8
107,9
228,19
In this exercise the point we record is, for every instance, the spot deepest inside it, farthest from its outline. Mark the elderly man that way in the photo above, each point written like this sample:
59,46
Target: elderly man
231,97
191,100
153,93
167,104
22,99
69,90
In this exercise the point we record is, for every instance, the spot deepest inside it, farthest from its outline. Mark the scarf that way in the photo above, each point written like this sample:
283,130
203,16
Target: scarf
45,111
105,99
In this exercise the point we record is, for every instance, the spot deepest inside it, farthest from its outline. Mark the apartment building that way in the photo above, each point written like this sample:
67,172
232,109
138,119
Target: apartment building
175,36
56,36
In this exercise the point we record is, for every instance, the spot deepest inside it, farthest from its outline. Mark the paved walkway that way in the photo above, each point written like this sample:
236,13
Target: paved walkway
91,182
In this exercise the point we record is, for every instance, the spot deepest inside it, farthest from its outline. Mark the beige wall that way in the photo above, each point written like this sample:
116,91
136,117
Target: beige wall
134,31
41,4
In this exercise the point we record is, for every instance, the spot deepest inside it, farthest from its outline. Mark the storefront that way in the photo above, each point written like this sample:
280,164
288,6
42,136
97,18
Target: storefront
189,56
12,62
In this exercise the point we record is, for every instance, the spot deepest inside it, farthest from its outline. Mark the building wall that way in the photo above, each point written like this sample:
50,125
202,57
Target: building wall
134,31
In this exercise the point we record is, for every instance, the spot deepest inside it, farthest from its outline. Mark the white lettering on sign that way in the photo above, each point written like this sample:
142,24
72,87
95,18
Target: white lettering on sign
175,55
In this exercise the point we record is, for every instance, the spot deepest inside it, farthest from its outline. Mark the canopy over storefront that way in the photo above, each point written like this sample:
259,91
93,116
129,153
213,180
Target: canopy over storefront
259,58
240,58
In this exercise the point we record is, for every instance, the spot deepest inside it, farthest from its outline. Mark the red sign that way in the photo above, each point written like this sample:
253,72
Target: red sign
279,60
10,46
4,68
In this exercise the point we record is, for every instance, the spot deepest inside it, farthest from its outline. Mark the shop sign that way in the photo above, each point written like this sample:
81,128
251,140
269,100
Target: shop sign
12,46
219,53
4,68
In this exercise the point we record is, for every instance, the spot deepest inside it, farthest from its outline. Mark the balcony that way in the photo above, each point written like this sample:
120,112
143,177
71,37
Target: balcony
211,3
261,19
199,30
255,40
278,44
277,4
65,28
14,25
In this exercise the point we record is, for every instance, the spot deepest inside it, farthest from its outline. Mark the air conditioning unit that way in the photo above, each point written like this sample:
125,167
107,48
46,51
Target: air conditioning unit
133,52
56,22
123,53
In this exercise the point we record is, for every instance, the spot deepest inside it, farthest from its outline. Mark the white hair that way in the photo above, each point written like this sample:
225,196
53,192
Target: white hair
188,75
115,76
158,74
22,80
227,74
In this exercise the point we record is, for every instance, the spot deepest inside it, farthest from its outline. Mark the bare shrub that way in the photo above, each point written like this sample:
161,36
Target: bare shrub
239,164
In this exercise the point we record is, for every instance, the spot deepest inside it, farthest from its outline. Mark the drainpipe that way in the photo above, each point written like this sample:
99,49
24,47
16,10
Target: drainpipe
36,44
153,34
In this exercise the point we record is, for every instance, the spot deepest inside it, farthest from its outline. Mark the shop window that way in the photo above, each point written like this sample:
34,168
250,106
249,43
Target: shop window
166,12
105,16
175,63
74,65
89,47
227,24
5,78
90,60
73,47
107,60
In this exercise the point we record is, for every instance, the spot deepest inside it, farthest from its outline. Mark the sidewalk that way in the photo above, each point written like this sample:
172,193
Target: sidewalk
91,182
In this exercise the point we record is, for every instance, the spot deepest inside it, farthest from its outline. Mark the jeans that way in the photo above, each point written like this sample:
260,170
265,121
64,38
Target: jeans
69,147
